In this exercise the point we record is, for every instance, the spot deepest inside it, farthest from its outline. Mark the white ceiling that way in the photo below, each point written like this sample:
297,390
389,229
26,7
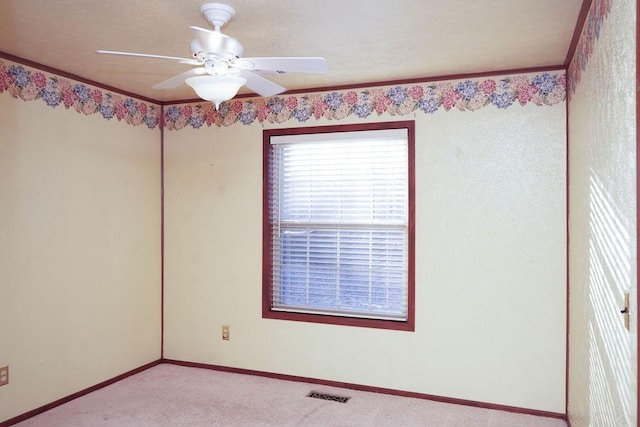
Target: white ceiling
363,41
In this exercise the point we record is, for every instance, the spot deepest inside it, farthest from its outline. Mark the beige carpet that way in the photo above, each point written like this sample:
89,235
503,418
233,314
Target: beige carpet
170,395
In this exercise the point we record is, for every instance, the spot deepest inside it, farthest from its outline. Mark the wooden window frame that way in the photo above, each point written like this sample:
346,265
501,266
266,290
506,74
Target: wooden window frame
267,312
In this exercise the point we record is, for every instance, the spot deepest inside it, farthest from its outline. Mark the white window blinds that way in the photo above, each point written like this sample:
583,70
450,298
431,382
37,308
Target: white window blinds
338,218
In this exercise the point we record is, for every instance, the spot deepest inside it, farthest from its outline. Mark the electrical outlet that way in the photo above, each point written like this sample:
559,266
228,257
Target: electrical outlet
4,375
225,332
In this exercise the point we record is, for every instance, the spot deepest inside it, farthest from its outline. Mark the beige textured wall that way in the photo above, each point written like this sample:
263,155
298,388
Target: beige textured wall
79,251
490,263
603,259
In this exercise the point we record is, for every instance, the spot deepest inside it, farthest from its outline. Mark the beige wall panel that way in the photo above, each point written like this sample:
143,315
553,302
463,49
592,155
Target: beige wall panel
603,259
490,263
79,251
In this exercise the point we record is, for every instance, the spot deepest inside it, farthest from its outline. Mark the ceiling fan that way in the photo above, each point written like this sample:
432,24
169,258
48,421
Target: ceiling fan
220,68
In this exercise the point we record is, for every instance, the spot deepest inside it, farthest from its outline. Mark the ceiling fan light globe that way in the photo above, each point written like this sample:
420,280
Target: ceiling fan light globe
216,88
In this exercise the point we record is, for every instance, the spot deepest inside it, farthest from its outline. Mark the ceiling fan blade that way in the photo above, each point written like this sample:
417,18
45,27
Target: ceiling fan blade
309,64
260,85
177,80
147,55
214,42
203,30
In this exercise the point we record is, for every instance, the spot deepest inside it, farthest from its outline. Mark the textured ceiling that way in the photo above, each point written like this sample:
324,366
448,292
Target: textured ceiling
363,41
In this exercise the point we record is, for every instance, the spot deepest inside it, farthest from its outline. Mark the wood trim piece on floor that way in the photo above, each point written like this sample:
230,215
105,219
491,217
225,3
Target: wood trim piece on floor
44,408
382,390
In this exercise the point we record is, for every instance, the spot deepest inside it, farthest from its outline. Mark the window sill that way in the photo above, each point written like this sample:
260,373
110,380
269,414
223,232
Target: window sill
395,325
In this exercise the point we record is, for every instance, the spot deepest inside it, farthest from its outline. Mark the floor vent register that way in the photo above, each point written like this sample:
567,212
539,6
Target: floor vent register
326,396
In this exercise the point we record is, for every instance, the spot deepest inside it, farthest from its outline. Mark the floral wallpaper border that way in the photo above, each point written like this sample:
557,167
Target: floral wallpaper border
590,32
465,95
29,85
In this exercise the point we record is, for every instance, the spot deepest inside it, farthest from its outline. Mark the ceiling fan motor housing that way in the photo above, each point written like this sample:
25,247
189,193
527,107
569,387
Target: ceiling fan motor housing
213,45
218,46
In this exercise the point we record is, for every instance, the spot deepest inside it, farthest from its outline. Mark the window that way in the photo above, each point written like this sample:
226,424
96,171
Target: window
338,231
